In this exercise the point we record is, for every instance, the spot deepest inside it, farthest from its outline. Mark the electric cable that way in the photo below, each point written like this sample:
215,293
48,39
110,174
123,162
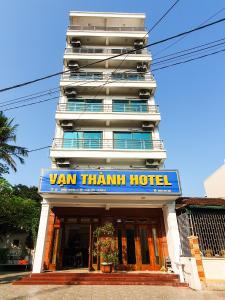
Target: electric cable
114,56
181,38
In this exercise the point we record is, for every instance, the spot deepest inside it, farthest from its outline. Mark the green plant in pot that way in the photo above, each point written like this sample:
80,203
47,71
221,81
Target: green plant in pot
105,247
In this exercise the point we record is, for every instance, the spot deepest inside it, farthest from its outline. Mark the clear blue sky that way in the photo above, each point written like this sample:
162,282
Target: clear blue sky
191,96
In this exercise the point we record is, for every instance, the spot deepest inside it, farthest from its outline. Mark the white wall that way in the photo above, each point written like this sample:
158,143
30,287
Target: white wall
190,272
215,184
214,268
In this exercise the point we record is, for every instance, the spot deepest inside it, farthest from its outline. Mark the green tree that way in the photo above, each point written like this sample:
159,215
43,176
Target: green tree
17,213
30,192
8,151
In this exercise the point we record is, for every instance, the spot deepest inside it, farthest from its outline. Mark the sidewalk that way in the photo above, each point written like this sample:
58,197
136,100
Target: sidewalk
76,292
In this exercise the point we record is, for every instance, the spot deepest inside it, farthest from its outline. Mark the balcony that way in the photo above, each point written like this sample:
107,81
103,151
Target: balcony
115,149
98,149
99,112
104,28
92,50
122,83
100,76
108,108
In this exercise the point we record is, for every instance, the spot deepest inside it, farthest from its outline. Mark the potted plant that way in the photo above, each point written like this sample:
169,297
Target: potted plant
105,247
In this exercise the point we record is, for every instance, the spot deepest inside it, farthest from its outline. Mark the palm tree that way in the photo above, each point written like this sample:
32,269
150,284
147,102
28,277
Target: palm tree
9,152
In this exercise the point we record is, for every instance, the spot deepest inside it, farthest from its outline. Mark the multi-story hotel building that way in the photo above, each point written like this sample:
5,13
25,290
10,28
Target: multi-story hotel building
107,155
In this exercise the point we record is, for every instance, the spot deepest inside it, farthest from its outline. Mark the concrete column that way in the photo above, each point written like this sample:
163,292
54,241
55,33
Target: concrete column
41,238
173,238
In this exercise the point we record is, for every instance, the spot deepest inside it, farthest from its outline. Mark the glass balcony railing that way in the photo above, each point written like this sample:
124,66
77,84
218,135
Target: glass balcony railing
107,108
92,50
107,144
125,76
104,28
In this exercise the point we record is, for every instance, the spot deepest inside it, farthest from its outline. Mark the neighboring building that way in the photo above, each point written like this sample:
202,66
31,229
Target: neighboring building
107,155
215,183
202,219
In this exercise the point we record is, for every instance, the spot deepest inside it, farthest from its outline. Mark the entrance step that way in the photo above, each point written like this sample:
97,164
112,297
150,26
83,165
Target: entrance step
55,278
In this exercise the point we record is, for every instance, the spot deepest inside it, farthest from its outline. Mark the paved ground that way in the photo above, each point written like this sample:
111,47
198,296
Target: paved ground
48,292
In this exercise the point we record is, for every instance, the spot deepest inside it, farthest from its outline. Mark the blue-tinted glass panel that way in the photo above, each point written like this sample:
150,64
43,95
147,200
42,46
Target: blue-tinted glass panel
88,105
94,105
121,140
130,106
92,140
132,140
142,140
119,105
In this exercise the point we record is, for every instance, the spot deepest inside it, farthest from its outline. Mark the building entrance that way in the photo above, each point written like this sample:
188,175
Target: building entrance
139,247
140,238
76,244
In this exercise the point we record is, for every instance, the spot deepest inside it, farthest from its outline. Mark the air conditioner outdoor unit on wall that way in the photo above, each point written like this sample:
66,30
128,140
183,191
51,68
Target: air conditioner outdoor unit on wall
152,163
75,43
73,65
138,44
148,125
70,92
142,67
67,124
62,163
144,94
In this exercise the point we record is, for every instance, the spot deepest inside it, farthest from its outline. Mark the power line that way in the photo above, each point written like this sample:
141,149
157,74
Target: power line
200,57
180,39
51,90
189,53
174,64
114,56
38,149
156,63
196,58
8,103
199,46
108,80
163,16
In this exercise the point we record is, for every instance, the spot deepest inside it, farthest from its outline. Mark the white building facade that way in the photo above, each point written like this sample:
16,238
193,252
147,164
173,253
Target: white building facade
107,155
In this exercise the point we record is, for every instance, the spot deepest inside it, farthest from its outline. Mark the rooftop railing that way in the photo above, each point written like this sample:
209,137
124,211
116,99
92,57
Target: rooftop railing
106,76
92,50
104,28
107,108
108,144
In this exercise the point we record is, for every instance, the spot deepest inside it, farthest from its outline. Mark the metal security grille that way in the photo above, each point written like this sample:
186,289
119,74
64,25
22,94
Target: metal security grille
209,226
185,231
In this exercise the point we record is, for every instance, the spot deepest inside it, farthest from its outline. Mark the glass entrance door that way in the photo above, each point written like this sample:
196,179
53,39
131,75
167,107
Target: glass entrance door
138,247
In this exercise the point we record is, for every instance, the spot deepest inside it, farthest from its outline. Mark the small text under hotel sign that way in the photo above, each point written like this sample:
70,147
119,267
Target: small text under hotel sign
110,181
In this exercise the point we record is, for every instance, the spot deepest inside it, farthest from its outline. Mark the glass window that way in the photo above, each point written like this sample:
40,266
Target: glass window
82,139
120,247
144,246
130,235
89,105
130,106
132,140
155,243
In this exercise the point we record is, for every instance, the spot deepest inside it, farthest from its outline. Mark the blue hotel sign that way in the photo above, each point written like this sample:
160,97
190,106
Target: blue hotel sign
164,182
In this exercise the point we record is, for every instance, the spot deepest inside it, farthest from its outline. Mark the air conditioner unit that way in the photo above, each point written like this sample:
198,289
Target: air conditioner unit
138,44
62,163
73,65
142,67
152,163
75,43
148,125
67,124
70,92
144,94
